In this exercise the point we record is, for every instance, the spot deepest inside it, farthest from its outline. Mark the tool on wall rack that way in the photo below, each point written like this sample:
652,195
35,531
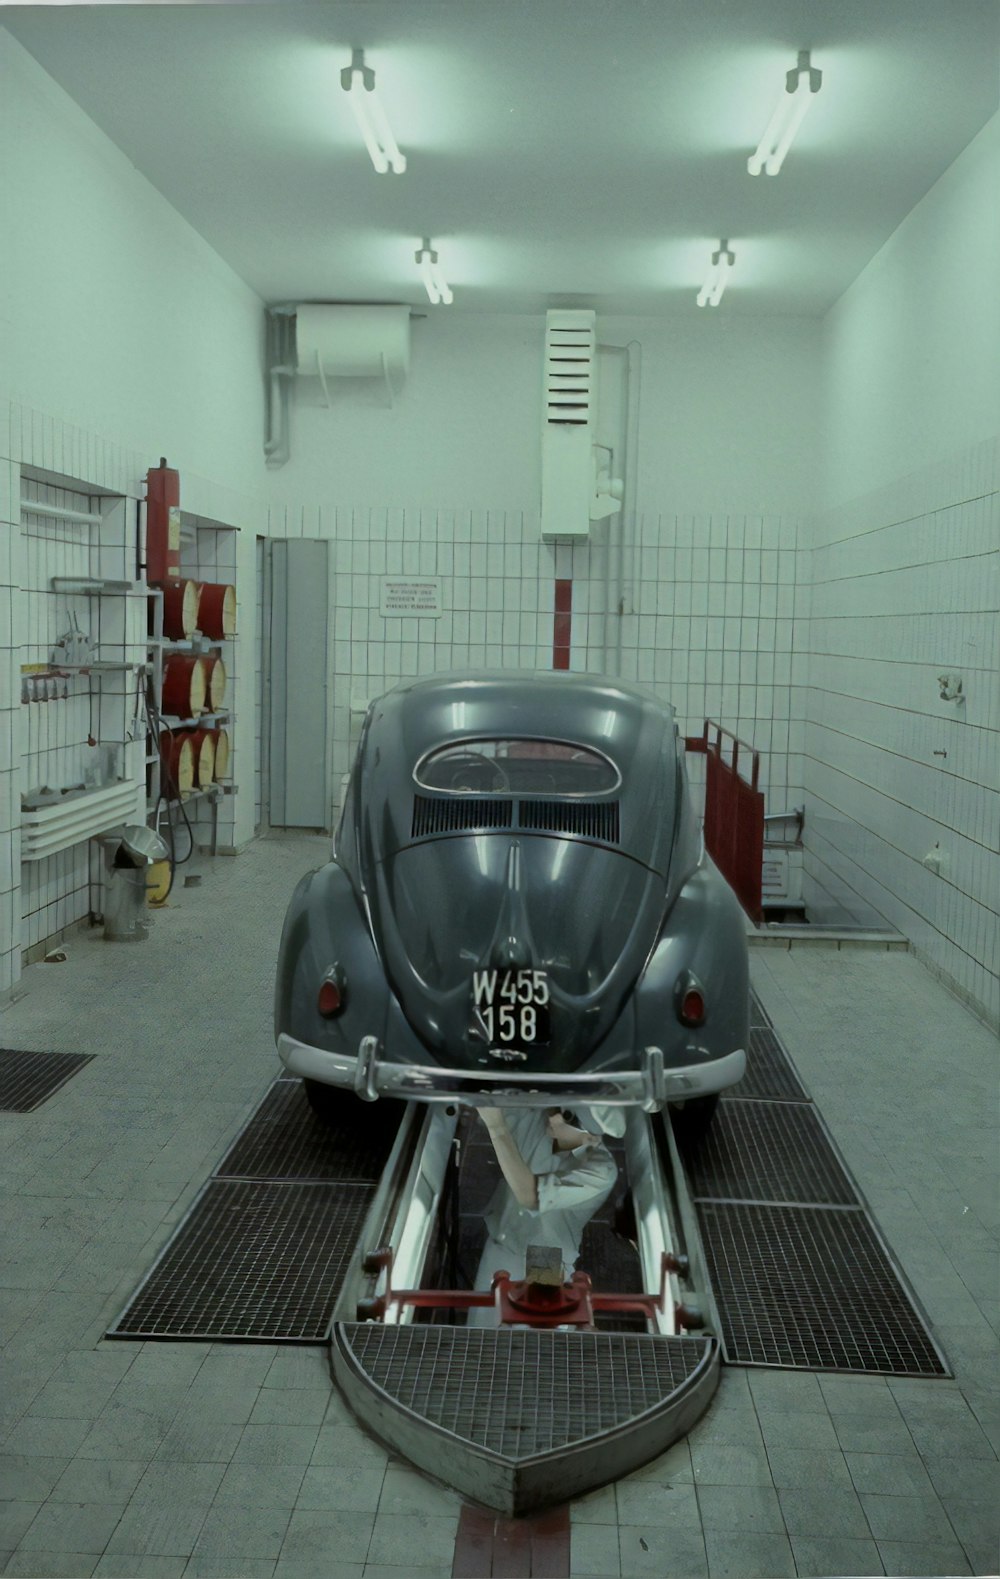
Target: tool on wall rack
74,649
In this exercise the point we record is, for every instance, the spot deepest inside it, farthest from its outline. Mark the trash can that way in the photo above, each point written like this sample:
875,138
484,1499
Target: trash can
128,852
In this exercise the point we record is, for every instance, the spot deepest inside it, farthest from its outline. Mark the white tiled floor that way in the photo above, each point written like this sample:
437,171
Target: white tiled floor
208,1460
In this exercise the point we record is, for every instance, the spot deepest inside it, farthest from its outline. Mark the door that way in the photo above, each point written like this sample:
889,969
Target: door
298,669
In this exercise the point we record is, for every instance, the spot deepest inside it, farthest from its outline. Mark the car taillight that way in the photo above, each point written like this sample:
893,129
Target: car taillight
692,1007
331,995
689,999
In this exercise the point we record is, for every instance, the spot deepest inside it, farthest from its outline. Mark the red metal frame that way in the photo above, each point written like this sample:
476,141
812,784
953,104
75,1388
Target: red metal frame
734,814
527,1304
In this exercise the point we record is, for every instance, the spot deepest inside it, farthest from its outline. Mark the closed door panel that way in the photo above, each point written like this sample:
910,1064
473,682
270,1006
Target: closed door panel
300,599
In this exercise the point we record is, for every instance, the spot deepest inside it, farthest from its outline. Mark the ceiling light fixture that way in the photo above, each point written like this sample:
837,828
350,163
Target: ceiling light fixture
435,284
717,277
358,82
801,83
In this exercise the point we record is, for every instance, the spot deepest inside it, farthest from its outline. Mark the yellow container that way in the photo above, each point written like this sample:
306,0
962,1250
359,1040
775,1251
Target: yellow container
157,883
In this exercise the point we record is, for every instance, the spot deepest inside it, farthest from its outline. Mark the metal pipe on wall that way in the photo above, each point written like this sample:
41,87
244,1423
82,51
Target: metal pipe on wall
618,597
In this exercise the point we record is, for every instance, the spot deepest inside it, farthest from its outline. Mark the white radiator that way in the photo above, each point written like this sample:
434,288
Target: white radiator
50,829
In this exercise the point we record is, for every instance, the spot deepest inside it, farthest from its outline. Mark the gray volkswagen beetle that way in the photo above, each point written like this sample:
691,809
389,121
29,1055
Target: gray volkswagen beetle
518,910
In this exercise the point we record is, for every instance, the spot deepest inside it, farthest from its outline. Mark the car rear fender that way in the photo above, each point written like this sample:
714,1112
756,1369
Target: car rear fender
325,927
704,933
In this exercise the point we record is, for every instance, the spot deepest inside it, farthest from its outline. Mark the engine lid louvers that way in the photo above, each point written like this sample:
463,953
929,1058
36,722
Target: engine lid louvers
594,820
597,820
458,816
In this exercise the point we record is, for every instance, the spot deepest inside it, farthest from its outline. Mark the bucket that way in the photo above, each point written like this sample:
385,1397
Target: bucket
221,753
203,749
180,609
177,758
216,682
217,610
185,682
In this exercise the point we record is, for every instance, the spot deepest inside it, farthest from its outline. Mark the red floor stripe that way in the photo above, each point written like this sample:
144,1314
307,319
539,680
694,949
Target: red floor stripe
473,1557
550,1544
489,1546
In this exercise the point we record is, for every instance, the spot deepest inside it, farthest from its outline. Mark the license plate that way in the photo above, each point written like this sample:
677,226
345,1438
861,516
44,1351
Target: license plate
513,1006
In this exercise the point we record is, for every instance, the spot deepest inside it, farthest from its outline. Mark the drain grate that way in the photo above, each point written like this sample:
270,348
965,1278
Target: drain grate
758,1013
768,1151
285,1140
812,1289
769,1071
28,1079
254,1259
519,1392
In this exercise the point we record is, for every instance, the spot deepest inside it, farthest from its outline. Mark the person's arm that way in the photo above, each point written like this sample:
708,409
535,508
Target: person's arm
523,1184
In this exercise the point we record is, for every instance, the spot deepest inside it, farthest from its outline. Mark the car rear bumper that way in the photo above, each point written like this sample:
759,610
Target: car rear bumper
649,1085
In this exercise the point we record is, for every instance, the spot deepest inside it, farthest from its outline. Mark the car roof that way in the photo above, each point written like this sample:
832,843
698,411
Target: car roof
630,726
607,714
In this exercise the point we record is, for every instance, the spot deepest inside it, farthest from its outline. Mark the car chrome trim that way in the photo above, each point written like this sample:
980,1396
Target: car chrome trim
458,741
650,1085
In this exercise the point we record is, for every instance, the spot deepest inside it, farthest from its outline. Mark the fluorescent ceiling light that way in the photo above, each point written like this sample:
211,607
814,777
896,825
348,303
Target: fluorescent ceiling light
435,284
717,277
358,82
801,84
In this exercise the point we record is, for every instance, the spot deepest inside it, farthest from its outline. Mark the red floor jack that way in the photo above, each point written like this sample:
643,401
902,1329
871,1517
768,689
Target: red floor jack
540,1299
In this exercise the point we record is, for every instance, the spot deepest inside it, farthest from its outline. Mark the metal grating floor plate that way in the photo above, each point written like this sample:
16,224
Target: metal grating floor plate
254,1259
808,1288
28,1079
519,1392
758,1013
768,1151
769,1071
285,1140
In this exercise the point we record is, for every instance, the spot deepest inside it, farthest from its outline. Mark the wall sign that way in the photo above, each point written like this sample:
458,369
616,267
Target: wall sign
403,597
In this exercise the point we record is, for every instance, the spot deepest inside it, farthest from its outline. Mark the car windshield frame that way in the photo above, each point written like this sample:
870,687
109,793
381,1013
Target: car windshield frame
472,747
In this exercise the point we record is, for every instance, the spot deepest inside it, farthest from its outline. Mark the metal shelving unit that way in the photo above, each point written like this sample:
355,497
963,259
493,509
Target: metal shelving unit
159,648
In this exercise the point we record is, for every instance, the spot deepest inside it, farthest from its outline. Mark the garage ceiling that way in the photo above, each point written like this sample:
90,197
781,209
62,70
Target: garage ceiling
560,152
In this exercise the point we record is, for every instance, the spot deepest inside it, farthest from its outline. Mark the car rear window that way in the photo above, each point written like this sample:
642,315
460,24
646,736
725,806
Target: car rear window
520,767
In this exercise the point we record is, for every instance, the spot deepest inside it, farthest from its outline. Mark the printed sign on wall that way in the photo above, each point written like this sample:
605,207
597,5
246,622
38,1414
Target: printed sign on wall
403,597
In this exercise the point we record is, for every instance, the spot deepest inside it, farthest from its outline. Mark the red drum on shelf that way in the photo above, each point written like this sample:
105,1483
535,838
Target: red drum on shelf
177,763
216,682
221,753
185,684
217,611
203,751
180,609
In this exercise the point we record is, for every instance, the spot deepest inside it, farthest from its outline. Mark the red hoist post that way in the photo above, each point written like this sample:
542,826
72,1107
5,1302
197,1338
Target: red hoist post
163,524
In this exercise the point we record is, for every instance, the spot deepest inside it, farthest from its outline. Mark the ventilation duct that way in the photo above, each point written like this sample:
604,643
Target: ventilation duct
577,486
317,344
596,820
568,422
458,816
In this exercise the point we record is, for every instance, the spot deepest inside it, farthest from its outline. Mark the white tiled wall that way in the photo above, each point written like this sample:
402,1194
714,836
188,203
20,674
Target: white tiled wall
259,684
10,706
54,891
710,613
67,465
906,587
59,716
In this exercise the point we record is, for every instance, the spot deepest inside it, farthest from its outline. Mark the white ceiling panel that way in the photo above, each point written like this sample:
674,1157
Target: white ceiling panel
559,151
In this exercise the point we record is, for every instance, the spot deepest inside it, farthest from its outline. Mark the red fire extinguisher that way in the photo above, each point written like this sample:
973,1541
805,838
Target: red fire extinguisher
163,524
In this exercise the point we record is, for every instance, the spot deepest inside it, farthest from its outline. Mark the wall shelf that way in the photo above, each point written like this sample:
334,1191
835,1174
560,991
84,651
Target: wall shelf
205,721
194,644
94,584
